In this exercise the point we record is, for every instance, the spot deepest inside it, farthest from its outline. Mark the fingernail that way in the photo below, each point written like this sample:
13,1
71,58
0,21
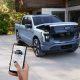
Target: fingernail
15,61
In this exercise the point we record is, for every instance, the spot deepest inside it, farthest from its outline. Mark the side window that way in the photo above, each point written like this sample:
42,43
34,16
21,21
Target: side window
28,21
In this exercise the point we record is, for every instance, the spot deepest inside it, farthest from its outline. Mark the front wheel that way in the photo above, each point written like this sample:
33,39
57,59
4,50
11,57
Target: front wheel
37,48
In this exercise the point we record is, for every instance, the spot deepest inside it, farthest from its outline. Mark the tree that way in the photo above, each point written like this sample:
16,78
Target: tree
7,5
8,16
10,4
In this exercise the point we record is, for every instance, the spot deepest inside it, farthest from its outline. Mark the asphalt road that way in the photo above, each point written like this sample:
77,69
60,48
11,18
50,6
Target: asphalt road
51,67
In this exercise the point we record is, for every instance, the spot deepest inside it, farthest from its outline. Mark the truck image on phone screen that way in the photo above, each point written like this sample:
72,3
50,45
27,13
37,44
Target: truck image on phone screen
47,34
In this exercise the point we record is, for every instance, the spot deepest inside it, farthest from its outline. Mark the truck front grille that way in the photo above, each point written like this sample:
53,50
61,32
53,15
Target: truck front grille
63,36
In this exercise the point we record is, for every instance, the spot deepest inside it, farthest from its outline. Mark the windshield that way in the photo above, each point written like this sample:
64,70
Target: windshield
45,19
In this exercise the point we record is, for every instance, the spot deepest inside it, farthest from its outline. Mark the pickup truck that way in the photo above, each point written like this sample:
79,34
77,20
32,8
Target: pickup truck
47,34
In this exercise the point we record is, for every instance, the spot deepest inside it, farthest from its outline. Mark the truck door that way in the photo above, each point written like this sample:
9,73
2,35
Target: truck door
21,29
28,30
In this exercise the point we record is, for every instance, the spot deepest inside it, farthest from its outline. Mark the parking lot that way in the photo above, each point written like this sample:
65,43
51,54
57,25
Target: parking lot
60,66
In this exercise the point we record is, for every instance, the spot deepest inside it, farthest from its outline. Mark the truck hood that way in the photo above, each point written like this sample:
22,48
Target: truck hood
59,24
58,27
64,23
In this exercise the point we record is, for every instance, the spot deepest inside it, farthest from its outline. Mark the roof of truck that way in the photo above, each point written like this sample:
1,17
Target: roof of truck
38,15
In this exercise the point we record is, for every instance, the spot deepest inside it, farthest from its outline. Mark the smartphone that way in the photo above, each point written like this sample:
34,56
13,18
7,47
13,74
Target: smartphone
18,55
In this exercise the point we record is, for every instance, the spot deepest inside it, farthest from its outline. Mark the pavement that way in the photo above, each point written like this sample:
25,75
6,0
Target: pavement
61,66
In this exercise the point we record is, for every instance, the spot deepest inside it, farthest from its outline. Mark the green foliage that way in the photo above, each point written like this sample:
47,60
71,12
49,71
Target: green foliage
14,18
4,23
7,5
8,16
10,4
8,20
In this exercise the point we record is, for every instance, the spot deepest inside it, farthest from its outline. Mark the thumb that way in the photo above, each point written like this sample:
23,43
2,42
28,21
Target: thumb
19,70
17,65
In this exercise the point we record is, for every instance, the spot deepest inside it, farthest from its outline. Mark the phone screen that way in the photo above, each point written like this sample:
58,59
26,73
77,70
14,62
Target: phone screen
18,54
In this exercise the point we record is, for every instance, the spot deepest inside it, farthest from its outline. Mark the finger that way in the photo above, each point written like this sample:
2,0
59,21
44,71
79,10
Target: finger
19,70
13,74
20,75
26,67
25,72
17,65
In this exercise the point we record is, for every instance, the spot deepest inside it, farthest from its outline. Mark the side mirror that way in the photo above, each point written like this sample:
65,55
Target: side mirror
28,25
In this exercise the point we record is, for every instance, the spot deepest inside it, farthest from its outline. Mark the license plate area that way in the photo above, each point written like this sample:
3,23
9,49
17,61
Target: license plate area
66,46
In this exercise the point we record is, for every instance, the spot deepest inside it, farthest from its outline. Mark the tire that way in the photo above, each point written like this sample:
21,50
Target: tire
37,48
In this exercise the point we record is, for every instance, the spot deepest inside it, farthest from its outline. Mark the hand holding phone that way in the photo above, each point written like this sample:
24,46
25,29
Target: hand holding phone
18,55
22,74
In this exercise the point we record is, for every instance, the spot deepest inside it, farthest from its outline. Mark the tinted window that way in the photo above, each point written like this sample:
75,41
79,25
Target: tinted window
45,19
26,21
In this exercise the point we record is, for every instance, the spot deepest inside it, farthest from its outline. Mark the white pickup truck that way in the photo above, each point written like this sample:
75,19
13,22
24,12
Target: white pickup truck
47,33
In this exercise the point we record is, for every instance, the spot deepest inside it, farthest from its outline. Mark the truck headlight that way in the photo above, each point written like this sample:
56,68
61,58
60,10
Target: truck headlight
47,37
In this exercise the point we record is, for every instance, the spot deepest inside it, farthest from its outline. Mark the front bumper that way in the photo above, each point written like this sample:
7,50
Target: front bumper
60,47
